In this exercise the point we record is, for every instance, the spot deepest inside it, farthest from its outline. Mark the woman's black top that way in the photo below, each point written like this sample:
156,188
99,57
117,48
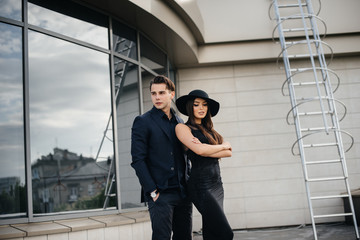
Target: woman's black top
205,171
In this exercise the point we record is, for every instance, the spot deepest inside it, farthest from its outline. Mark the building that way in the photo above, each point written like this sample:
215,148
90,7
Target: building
67,65
64,181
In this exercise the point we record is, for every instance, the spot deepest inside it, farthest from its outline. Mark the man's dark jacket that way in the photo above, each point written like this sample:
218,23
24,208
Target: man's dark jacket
152,152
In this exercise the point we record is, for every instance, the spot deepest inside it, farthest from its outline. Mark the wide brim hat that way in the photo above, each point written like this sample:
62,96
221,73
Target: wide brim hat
214,106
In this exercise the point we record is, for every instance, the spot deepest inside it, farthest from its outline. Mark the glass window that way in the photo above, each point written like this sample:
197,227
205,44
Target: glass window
70,140
127,105
12,160
68,18
152,56
146,77
124,40
11,9
172,73
70,115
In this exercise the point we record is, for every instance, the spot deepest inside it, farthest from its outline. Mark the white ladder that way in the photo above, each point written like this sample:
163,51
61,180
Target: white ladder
313,108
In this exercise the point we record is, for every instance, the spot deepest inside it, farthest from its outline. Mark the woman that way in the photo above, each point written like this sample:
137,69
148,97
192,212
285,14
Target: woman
205,186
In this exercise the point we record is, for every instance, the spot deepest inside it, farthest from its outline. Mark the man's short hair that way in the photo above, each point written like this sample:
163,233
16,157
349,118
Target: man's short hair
162,79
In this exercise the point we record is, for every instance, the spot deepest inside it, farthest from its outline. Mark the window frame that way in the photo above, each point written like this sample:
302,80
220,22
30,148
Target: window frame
26,27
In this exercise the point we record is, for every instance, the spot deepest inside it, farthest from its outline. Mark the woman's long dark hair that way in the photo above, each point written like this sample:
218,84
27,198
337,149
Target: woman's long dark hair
206,126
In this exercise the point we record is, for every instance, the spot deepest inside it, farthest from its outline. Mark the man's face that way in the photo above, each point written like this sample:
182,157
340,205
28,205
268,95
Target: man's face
161,97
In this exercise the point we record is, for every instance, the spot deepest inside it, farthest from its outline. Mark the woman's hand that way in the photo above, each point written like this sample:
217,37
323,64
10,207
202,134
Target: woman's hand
225,152
227,146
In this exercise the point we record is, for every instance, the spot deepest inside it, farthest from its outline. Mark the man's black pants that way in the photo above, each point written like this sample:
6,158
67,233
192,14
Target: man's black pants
171,213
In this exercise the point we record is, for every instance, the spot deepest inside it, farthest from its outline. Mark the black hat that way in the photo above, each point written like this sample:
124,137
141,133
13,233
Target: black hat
181,102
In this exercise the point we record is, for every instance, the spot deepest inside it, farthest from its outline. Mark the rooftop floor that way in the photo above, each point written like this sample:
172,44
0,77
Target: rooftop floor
334,231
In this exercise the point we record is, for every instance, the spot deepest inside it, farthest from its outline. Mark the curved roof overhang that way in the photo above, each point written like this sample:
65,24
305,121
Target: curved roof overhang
165,22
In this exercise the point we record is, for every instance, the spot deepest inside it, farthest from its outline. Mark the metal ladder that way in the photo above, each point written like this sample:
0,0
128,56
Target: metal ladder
124,47
314,109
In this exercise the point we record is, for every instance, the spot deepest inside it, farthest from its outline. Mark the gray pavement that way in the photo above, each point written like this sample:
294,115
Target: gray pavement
331,231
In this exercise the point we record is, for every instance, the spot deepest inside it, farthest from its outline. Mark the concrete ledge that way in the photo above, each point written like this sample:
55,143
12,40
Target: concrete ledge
43,228
22,231
10,232
138,216
114,220
81,224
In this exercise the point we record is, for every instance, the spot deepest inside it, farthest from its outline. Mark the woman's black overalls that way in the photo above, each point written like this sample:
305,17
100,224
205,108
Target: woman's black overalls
206,191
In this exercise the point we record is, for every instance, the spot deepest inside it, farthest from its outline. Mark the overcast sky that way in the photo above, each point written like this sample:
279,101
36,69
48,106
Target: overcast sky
69,92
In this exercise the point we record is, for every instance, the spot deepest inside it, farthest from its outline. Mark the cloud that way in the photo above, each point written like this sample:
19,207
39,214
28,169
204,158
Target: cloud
69,90
70,102
10,40
11,9
10,74
12,156
11,99
69,26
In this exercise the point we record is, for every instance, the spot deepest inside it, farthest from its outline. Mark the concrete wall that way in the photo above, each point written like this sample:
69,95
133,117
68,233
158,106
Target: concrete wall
263,181
233,20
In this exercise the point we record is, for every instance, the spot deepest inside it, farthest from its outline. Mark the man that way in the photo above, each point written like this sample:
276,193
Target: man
159,163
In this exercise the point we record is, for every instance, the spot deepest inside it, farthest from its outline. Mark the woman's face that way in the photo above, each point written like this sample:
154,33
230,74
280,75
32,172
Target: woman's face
200,108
